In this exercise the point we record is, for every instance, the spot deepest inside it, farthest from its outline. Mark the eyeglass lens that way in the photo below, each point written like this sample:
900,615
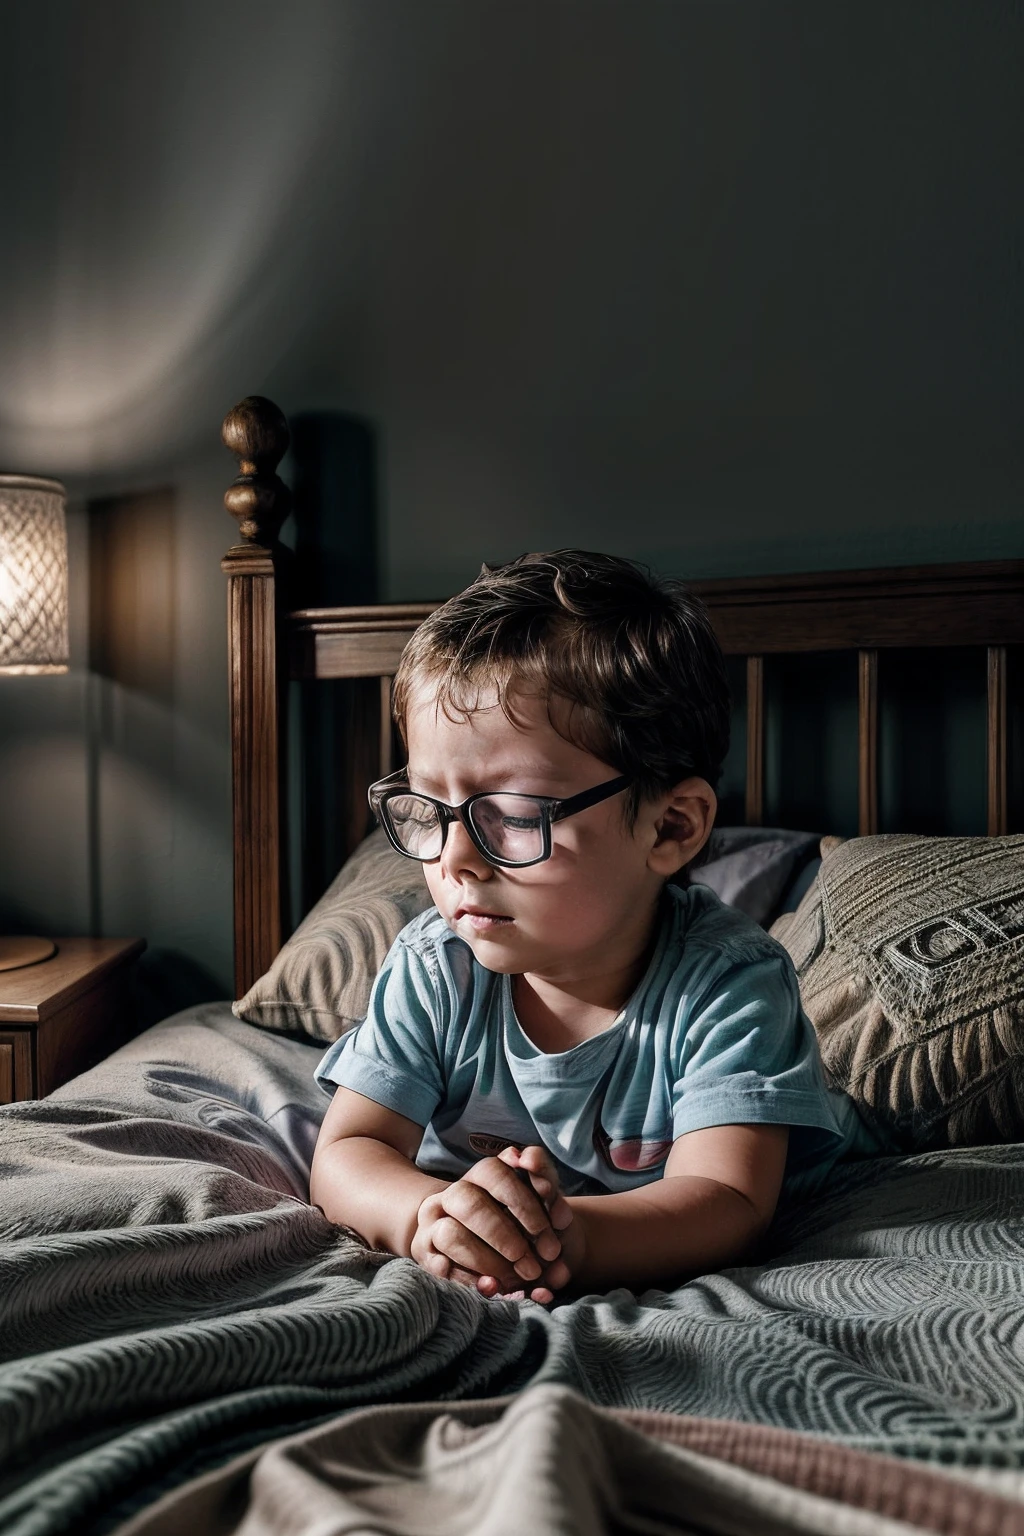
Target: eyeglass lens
416,825
509,827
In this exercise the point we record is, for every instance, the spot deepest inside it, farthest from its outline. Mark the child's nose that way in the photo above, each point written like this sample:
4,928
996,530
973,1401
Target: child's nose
461,855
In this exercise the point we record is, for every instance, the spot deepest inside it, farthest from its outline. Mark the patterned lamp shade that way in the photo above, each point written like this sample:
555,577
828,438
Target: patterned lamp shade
33,576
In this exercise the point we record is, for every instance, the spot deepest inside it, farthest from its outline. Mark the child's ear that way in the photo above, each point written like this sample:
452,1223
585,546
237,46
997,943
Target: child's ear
683,825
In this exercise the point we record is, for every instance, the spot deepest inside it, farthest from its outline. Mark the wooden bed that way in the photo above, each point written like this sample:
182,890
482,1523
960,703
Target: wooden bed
173,1306
271,640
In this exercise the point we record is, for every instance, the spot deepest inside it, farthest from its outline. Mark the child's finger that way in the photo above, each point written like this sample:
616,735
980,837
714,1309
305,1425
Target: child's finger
486,1218
547,1244
466,1249
534,1164
470,1279
540,1293
560,1213
556,1275
558,1209
539,1164
504,1185
538,1160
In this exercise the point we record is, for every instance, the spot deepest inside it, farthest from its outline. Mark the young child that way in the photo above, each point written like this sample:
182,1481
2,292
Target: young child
570,1069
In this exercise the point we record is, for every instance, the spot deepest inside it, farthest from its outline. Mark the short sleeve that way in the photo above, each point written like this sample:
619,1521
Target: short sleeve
393,1056
750,1056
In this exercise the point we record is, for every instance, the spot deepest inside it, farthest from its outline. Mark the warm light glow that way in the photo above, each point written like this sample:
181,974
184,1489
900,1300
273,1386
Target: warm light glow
162,277
40,671
33,577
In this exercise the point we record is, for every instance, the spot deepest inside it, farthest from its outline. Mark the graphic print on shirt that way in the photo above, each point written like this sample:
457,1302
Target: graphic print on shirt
631,1154
490,1146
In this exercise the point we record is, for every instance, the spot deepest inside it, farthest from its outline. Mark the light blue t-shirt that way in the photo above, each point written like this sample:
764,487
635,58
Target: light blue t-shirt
713,1035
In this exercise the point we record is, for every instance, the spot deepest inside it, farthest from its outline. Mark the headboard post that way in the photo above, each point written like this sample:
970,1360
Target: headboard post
258,571
755,741
998,809
867,743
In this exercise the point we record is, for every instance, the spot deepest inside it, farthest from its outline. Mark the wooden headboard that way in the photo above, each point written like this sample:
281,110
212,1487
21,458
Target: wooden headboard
271,641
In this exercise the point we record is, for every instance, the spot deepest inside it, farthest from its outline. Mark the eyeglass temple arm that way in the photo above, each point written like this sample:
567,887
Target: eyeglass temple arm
591,797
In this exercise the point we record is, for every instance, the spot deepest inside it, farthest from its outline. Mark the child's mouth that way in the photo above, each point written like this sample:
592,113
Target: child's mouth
481,921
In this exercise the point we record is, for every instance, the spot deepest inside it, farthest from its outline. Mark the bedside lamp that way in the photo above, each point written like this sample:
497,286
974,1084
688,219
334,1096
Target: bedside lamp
33,614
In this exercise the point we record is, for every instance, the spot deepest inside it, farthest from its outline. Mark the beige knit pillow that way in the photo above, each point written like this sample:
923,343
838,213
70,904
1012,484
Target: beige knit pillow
320,982
910,954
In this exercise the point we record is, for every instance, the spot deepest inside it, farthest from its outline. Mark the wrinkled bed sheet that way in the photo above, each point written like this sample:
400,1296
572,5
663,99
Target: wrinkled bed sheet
168,1299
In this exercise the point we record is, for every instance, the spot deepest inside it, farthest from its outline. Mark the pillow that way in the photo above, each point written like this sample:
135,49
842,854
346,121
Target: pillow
797,888
320,982
751,867
910,955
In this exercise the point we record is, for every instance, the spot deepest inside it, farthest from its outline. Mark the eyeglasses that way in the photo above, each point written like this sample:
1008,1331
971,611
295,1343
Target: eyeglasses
511,831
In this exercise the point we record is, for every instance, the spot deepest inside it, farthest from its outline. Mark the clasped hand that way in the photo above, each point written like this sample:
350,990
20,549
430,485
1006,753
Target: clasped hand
504,1226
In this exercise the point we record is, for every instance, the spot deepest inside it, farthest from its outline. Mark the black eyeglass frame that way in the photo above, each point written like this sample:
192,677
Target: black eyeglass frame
551,810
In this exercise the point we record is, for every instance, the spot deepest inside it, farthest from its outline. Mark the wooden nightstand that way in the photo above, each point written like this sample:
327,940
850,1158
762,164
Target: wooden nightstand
64,1014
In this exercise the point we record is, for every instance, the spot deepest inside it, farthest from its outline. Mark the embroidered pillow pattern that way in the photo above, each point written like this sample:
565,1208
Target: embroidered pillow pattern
910,954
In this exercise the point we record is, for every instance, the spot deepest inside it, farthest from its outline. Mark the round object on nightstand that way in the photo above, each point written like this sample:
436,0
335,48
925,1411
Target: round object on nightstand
19,950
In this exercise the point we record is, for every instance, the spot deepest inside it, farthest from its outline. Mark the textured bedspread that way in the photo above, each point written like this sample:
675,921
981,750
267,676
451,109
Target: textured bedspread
167,1297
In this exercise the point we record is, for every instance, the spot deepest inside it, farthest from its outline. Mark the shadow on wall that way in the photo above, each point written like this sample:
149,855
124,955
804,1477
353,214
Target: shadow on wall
141,778
117,777
334,483
158,843
334,474
166,981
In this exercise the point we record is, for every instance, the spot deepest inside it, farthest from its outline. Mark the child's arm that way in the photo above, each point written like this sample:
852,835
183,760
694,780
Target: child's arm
718,1194
490,1222
363,1175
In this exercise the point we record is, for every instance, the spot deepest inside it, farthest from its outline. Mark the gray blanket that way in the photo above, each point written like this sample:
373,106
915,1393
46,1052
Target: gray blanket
168,1299
548,1462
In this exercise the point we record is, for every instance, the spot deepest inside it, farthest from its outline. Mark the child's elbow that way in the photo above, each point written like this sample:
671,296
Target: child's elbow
317,1179
756,1219
324,1182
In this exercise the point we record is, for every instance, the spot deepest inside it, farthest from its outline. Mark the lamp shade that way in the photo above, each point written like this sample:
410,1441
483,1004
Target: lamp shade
33,576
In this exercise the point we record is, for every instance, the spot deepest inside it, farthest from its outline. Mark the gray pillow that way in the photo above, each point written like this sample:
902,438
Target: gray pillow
752,867
910,956
320,982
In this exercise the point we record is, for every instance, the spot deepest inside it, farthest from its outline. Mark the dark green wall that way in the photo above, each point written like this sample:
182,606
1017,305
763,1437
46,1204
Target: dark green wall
732,287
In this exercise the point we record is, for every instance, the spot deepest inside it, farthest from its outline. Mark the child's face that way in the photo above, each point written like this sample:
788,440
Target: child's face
591,905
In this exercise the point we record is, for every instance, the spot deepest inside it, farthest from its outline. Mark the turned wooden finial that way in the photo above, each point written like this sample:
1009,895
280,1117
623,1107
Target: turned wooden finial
257,432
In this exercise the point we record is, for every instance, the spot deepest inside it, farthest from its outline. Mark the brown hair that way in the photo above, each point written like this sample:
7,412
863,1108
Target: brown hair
634,656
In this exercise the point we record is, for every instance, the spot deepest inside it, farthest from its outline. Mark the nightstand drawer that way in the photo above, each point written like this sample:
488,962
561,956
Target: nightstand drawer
61,1016
17,1078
